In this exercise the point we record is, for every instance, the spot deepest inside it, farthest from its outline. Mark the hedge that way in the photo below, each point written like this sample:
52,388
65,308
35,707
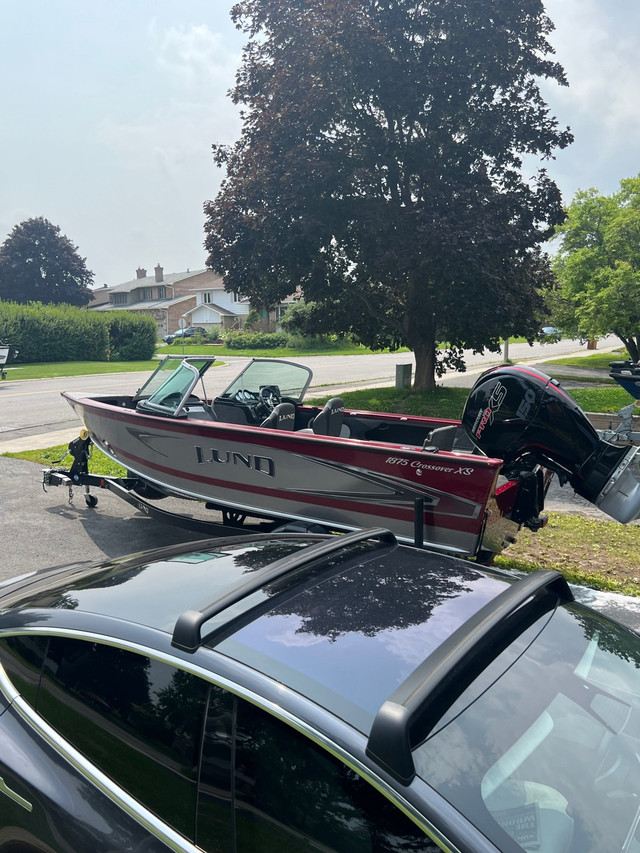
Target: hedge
256,340
53,333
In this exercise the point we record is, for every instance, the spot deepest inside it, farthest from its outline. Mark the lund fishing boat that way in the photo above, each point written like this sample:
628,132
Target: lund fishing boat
256,449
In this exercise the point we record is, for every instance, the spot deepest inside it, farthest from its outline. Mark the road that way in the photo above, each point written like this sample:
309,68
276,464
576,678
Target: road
33,414
40,529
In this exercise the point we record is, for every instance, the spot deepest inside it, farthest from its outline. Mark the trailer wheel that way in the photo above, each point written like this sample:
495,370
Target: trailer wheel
91,501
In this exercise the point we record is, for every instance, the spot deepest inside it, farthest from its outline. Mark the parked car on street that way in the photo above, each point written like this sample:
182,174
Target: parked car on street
549,334
295,691
189,332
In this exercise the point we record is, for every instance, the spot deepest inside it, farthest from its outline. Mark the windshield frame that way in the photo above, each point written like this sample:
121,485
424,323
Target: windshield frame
292,379
175,378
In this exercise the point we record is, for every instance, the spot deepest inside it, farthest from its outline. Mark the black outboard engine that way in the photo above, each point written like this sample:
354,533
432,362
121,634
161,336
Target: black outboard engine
523,416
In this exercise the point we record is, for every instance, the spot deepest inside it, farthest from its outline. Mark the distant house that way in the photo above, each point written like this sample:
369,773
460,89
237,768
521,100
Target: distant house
186,298
215,307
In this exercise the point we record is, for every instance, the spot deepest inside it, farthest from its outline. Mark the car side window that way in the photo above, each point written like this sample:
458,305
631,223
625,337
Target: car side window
22,659
138,720
291,795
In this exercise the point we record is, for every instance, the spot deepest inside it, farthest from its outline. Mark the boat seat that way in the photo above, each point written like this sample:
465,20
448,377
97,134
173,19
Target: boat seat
201,411
449,438
282,417
329,420
230,412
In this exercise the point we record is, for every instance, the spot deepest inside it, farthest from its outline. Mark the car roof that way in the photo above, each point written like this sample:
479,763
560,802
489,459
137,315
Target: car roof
316,613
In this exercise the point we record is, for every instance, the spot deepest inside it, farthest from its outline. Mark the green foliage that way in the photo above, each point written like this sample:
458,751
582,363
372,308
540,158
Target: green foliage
58,333
132,336
607,400
39,264
378,170
255,340
319,343
44,333
253,321
598,266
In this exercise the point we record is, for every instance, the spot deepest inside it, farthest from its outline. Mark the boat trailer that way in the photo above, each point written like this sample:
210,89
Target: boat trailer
627,375
126,488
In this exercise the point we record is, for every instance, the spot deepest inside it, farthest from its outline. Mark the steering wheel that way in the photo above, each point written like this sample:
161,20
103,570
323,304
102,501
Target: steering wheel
269,396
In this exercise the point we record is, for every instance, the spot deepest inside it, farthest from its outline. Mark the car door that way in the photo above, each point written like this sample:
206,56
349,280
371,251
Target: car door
101,751
289,795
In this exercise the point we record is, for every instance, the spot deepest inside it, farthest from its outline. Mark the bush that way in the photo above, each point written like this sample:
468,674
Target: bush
52,333
256,340
319,342
132,337
49,333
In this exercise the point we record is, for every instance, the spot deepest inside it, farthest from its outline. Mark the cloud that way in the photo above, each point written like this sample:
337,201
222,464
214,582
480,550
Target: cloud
597,43
194,68
196,56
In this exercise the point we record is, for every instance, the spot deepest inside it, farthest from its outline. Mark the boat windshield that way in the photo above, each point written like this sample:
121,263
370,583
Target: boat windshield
170,386
291,380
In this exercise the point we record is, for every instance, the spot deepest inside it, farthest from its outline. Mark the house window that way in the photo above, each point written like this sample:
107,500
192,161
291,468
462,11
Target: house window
162,292
147,293
206,297
236,296
120,298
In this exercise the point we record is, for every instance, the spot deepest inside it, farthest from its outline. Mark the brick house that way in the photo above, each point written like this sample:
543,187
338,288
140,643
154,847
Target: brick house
195,298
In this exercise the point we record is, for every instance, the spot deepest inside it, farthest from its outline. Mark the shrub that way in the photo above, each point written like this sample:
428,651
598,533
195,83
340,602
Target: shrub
51,333
256,340
132,337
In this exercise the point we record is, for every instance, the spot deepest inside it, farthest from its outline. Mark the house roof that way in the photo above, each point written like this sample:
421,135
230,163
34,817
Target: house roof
209,306
150,281
148,304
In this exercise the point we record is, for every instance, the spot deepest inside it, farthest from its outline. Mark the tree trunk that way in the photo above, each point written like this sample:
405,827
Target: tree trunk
632,346
425,356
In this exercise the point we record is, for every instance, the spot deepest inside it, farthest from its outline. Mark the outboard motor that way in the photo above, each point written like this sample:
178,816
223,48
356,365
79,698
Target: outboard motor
523,416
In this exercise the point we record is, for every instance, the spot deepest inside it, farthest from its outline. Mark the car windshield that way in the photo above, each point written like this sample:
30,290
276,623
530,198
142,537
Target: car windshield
547,756
291,379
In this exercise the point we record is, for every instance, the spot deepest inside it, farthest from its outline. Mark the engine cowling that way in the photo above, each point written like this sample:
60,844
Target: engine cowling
523,416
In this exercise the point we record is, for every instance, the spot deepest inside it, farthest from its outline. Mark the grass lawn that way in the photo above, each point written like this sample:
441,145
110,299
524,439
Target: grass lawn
75,368
608,400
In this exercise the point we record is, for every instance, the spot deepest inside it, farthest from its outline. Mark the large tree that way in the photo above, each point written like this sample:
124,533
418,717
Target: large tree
379,168
39,264
598,266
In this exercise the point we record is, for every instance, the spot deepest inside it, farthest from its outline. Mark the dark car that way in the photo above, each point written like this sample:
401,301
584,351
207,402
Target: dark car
297,692
189,332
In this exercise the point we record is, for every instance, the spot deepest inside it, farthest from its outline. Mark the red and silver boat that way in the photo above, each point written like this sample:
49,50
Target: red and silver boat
256,449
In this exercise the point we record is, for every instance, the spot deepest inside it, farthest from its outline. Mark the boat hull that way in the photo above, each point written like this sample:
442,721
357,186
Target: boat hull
344,483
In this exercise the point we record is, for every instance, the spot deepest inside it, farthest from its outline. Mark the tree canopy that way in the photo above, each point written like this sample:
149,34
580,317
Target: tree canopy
598,266
39,264
379,169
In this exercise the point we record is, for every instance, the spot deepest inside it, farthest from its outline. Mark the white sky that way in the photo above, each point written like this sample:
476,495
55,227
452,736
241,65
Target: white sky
109,108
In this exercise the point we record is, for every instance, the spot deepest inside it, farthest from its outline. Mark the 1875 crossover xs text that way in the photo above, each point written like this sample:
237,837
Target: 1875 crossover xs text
464,487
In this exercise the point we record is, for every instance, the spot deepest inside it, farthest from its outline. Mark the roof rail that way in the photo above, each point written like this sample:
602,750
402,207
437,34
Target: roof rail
186,633
416,706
